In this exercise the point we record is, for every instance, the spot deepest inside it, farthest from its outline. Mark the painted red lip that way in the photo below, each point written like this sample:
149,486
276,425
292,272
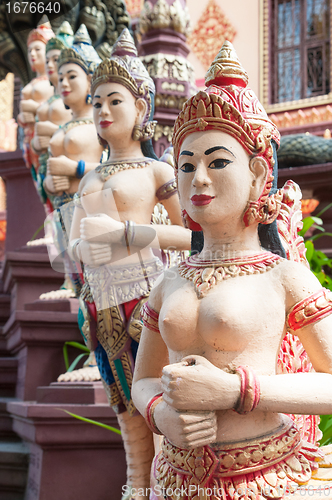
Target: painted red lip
65,92
201,199
50,72
105,124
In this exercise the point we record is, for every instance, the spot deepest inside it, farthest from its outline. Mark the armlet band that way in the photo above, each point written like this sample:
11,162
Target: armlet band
250,390
167,190
310,310
150,318
149,413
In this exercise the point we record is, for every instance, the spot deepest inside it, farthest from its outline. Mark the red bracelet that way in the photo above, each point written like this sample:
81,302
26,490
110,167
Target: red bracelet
149,411
250,390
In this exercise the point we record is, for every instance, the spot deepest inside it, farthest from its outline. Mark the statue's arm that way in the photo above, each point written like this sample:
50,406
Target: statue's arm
175,236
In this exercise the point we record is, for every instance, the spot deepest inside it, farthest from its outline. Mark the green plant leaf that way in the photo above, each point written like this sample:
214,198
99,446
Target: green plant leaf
77,360
82,347
308,222
316,236
89,421
310,250
324,210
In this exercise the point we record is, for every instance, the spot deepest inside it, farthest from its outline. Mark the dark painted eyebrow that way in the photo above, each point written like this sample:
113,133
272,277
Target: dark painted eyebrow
108,95
187,153
70,71
216,148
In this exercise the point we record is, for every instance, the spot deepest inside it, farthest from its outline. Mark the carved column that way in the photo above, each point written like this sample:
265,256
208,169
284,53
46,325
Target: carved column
162,29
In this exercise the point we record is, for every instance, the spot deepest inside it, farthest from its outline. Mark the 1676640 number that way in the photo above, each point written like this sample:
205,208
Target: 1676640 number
33,7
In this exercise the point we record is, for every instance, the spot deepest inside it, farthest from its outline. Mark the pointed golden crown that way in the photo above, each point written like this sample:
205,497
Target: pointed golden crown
229,105
81,53
226,68
42,33
63,38
124,67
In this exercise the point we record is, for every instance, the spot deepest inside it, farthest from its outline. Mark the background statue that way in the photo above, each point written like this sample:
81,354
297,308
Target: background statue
52,113
74,148
112,235
38,90
218,320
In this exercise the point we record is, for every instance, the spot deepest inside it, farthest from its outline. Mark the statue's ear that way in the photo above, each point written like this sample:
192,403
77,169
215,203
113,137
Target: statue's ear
259,169
141,110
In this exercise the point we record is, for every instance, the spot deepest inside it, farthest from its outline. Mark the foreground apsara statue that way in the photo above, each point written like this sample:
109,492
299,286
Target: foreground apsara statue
218,320
112,235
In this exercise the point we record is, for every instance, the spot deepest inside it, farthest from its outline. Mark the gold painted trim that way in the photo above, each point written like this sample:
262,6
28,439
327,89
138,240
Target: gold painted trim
264,69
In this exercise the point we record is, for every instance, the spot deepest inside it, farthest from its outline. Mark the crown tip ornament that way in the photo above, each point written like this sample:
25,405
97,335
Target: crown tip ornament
125,45
226,68
82,35
43,32
65,29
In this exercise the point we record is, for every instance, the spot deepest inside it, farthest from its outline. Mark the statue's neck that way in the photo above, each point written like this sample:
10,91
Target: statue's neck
221,243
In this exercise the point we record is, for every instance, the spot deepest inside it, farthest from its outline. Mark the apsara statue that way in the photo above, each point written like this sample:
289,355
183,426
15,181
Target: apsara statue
112,236
207,375
38,90
52,113
74,148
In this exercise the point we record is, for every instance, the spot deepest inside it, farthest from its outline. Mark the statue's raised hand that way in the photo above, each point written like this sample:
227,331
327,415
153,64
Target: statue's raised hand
61,165
186,429
197,384
95,254
102,229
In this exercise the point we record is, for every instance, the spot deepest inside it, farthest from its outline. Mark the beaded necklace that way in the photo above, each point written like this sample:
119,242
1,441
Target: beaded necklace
110,168
207,273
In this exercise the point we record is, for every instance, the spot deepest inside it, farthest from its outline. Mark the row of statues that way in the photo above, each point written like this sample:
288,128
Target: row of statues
236,342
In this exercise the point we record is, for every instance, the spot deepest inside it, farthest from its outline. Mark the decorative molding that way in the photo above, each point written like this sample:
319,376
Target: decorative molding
212,29
169,66
265,7
163,16
169,101
163,130
307,116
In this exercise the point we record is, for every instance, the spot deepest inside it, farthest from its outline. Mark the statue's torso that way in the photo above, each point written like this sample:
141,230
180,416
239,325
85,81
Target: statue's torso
39,90
54,112
223,327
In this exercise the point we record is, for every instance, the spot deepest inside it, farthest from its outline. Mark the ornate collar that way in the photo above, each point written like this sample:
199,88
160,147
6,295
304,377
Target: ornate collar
76,123
207,273
112,167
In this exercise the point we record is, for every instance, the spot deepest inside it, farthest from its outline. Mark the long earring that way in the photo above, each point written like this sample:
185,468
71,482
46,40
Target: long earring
263,211
137,134
88,99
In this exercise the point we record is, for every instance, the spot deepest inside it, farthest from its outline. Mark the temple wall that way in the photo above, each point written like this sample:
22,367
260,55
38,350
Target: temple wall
244,17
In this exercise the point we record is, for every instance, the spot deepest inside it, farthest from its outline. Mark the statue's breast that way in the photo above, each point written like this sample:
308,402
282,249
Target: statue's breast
43,112
232,317
57,113
41,91
57,143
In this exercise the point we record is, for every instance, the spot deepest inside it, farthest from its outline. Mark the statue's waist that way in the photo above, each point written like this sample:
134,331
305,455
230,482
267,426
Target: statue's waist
237,458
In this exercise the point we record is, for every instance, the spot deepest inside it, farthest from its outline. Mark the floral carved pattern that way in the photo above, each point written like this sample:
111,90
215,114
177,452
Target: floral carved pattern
212,29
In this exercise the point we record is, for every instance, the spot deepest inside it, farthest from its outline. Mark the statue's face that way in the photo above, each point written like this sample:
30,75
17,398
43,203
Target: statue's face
74,84
214,179
115,111
52,57
36,55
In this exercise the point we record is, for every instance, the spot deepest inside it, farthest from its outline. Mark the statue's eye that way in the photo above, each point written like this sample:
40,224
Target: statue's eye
219,163
97,105
187,167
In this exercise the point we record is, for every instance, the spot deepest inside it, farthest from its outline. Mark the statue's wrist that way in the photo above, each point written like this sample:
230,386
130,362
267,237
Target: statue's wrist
129,234
150,411
75,250
80,169
249,390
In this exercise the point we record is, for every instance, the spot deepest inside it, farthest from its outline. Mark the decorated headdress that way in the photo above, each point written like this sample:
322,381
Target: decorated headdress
125,67
81,52
43,32
229,105
64,38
